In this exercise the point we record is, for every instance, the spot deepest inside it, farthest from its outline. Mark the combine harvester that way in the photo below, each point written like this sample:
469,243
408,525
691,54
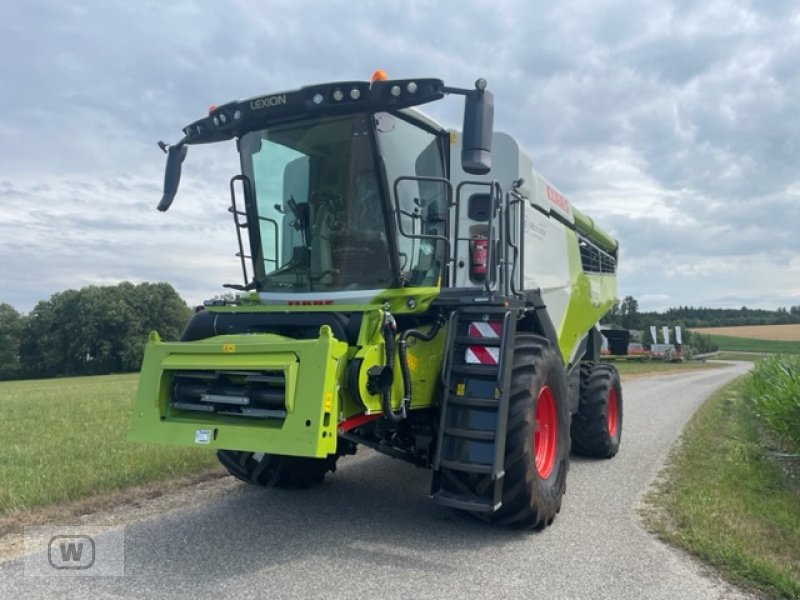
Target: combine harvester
415,290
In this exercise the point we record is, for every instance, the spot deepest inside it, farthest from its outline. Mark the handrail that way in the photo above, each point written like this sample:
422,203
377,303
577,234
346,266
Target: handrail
423,236
234,210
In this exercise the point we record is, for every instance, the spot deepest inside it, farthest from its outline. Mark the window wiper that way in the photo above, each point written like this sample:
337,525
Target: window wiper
302,219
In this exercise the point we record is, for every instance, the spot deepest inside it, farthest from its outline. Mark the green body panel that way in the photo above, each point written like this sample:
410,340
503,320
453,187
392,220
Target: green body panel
591,297
424,366
312,370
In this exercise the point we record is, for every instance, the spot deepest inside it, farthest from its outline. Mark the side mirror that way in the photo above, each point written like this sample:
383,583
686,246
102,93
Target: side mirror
172,174
476,146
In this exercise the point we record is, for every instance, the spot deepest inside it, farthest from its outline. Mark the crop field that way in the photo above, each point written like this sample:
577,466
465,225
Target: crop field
736,344
757,332
764,339
66,439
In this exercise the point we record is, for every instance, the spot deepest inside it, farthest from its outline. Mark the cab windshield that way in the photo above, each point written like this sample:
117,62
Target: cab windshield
322,219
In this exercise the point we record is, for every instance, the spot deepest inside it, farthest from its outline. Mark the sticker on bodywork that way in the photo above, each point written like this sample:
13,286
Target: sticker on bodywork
203,436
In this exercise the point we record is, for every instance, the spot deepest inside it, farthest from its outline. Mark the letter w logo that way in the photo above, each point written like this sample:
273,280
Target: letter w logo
71,552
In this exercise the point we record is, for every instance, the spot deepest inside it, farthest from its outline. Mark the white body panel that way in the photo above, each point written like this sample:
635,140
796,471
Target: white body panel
546,244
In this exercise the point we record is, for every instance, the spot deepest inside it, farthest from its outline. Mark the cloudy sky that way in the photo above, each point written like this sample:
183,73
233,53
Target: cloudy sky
675,124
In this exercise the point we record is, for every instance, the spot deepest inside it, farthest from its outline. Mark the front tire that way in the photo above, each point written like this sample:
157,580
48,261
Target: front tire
597,426
274,470
536,457
537,439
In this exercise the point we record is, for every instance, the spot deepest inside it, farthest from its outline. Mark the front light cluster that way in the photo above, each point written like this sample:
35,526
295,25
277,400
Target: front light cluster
339,95
221,118
411,88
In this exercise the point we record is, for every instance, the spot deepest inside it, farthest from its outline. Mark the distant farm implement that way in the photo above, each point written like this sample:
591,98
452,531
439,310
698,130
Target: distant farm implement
618,345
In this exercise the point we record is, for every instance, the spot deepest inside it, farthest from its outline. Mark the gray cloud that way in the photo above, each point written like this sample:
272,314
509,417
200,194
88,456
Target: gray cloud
675,124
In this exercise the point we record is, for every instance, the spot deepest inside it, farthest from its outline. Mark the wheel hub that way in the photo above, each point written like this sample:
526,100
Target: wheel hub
545,432
612,412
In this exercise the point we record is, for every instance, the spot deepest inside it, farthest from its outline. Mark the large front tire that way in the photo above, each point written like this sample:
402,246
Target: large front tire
537,438
273,470
597,426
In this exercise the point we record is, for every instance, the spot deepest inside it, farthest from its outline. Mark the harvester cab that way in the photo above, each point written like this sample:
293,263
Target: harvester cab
410,289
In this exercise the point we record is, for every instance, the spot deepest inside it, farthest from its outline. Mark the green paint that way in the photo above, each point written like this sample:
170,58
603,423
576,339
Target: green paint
591,296
313,370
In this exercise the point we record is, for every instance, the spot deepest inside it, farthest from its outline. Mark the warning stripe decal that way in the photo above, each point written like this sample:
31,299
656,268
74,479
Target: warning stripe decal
485,329
482,355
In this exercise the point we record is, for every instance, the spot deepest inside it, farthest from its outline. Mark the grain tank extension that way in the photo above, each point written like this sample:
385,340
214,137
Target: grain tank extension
418,291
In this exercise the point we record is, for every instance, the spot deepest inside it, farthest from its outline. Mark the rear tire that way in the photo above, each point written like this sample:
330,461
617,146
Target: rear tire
274,470
597,426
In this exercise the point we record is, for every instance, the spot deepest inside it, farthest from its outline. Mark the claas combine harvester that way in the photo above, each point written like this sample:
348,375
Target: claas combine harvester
418,291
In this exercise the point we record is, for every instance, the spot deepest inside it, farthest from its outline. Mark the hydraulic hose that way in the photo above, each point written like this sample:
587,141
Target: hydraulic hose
425,337
388,329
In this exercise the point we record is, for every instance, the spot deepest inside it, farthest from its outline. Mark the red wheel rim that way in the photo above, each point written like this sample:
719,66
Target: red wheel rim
545,432
612,412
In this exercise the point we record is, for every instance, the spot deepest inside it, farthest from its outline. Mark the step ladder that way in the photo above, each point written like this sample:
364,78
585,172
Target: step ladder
468,467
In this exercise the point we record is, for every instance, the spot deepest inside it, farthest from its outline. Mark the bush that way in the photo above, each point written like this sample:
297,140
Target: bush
774,390
701,343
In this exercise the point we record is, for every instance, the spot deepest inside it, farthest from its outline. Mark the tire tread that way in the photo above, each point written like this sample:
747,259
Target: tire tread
590,435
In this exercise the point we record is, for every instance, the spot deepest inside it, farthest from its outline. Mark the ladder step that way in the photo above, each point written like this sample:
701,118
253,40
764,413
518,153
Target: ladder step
463,502
472,401
479,370
472,420
456,465
470,434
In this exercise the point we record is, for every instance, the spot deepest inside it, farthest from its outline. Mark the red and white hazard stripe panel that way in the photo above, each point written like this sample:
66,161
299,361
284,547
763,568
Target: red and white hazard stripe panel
485,329
483,355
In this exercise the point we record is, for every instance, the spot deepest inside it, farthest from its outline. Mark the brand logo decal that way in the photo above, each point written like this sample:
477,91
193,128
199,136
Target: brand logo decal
268,102
557,199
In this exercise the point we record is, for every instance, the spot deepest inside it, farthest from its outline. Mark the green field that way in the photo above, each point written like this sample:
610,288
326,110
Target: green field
66,439
725,499
752,357
737,344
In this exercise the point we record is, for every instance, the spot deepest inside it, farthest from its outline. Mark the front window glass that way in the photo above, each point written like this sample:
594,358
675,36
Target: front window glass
409,150
321,219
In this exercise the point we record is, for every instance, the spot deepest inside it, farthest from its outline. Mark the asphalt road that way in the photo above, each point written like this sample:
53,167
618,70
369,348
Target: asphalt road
370,532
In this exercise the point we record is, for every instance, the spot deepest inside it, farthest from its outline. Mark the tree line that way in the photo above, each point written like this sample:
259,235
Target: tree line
625,313
92,331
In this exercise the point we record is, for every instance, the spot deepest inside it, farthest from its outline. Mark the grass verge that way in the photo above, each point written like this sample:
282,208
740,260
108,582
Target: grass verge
725,500
66,439
655,367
